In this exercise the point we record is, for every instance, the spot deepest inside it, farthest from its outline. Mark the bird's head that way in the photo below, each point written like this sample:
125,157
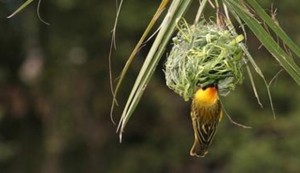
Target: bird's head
207,95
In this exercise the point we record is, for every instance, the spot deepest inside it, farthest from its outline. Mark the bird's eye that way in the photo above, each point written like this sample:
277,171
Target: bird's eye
215,84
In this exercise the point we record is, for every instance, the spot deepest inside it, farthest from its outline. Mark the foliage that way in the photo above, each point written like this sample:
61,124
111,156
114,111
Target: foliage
57,119
242,12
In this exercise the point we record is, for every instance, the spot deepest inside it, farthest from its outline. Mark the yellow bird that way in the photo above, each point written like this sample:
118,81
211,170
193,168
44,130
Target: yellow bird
206,113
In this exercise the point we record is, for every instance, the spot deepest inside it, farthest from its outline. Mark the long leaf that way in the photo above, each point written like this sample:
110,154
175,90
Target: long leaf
176,10
158,12
270,44
25,4
275,27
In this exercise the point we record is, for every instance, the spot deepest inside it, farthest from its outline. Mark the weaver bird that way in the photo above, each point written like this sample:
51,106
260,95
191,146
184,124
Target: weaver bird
206,113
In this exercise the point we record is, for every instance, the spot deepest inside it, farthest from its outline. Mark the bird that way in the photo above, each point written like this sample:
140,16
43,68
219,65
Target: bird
206,113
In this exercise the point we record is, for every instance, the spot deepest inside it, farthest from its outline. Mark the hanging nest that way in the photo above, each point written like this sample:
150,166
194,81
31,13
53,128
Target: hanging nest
204,54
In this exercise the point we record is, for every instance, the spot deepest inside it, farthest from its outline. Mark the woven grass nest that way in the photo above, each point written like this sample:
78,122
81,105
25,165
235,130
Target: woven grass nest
201,55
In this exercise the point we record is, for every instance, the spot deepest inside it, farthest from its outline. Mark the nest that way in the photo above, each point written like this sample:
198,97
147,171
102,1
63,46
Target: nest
204,54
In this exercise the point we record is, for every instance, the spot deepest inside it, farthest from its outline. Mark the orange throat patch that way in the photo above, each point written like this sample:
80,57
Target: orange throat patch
208,97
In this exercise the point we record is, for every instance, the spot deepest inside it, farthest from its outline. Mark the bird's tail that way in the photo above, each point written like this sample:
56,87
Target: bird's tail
198,150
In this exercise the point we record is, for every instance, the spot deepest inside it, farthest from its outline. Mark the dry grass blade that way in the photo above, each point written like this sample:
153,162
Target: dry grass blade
115,91
176,10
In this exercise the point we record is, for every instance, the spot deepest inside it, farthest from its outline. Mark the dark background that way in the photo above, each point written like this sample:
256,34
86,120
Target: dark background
55,98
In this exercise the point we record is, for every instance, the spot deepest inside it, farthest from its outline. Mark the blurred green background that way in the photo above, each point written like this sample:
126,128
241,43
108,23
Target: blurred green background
55,98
